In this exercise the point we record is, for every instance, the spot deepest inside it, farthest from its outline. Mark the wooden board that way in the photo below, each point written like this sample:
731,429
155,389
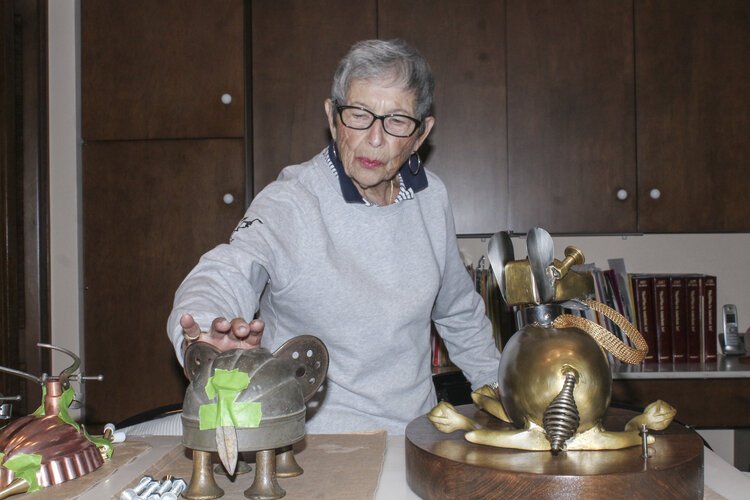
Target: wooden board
447,466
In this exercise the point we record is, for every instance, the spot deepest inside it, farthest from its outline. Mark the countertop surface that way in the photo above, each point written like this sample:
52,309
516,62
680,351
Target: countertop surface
721,479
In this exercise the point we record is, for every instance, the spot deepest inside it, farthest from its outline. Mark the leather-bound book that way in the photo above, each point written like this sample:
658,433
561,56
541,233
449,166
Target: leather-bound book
643,289
678,296
709,318
663,319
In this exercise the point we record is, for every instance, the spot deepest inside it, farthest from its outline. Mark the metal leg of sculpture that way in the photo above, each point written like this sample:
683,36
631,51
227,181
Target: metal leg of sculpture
286,464
202,484
17,486
265,486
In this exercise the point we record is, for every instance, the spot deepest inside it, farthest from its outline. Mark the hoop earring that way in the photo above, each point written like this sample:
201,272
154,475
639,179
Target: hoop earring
419,163
335,151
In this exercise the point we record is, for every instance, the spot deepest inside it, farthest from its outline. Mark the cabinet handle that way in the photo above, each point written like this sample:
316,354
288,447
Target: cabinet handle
228,199
622,194
226,98
655,194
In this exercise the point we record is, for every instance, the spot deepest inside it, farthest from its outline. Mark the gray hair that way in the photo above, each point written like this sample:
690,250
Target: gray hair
393,60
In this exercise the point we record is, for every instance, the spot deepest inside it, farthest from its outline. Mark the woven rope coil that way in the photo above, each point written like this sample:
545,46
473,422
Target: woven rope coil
604,337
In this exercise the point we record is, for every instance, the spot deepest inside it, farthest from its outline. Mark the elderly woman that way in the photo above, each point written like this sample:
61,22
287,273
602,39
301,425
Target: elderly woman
356,246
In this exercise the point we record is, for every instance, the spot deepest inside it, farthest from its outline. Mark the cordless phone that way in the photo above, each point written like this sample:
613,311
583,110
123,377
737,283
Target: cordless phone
731,342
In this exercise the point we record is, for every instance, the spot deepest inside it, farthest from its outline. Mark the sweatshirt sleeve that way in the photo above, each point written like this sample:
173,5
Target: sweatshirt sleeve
229,279
460,319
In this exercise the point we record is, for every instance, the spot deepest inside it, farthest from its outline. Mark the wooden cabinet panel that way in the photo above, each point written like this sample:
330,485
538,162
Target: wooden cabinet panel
571,115
151,208
693,108
708,403
159,69
467,147
296,46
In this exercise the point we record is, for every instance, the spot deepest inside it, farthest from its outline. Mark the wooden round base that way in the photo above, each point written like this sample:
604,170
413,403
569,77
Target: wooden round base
447,466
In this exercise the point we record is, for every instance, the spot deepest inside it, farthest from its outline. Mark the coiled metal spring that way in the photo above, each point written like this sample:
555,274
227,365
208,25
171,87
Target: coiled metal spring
561,417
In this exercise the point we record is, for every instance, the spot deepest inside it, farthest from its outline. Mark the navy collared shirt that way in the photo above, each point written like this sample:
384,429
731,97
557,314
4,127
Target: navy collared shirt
410,183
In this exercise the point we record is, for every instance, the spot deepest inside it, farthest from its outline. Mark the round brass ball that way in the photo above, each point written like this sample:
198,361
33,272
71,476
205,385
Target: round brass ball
533,367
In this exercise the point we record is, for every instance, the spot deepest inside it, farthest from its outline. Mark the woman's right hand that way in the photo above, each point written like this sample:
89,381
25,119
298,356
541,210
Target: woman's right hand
223,334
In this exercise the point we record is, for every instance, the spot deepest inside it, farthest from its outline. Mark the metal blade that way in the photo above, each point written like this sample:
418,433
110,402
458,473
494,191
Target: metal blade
499,253
226,446
541,251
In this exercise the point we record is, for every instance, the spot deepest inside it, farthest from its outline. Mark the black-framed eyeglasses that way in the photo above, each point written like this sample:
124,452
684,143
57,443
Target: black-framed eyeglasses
359,118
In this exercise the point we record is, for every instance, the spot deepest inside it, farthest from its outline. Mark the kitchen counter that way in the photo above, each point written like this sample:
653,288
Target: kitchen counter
721,479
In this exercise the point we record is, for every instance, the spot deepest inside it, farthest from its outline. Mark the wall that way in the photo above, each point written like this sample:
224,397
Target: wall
723,255
64,175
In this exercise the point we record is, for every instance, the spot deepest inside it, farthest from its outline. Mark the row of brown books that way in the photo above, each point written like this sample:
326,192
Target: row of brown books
676,314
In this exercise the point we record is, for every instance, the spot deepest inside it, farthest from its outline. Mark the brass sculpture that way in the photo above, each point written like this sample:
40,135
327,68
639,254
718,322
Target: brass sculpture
554,381
249,401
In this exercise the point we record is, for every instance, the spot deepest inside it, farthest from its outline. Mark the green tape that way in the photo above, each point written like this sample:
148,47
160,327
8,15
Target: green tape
66,398
39,412
25,466
225,386
100,442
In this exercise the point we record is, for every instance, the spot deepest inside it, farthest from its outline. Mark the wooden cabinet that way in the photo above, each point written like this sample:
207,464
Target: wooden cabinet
151,208
163,181
296,46
571,116
563,115
628,117
467,147
693,108
166,69
292,72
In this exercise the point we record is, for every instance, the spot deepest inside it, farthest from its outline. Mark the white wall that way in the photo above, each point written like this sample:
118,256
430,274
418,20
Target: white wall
64,176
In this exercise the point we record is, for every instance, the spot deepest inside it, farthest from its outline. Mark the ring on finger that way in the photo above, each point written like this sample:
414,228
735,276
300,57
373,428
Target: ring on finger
189,338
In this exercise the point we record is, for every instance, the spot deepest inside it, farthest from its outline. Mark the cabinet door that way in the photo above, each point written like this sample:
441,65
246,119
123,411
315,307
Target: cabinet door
571,116
467,148
693,101
296,46
151,208
159,69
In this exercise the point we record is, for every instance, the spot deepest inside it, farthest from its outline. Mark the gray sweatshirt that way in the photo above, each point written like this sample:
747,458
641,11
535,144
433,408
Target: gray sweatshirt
365,280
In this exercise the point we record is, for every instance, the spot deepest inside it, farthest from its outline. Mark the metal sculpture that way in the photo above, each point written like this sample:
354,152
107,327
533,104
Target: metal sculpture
48,447
554,381
249,401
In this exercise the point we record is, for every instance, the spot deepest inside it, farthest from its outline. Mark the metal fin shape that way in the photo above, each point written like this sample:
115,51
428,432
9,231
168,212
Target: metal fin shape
226,446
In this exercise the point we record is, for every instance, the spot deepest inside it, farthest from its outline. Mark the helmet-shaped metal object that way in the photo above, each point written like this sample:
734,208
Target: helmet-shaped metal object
249,400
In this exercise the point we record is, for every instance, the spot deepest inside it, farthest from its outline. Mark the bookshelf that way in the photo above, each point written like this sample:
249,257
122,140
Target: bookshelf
707,396
724,367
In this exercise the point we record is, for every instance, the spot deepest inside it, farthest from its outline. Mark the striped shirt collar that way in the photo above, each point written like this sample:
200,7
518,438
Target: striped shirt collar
409,183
